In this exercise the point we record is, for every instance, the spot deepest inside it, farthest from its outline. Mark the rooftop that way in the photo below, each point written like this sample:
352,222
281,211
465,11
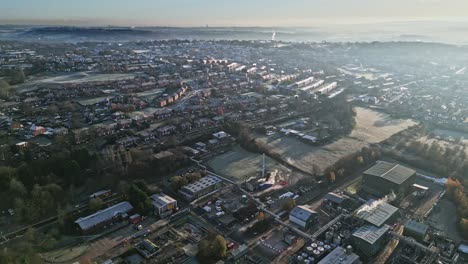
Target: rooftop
302,212
339,255
371,234
161,199
101,216
203,183
416,227
376,214
390,171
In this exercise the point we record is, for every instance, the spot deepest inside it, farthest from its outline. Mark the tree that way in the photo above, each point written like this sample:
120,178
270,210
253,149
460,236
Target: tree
95,204
213,247
289,204
5,89
71,170
17,76
6,174
139,199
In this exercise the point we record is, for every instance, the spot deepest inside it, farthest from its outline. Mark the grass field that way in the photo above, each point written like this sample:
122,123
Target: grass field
239,164
371,127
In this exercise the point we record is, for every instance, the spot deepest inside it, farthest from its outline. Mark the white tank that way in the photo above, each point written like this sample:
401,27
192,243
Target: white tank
321,249
310,249
337,240
313,245
316,252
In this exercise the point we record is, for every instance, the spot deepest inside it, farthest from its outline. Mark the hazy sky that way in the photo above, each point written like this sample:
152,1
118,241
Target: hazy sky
225,12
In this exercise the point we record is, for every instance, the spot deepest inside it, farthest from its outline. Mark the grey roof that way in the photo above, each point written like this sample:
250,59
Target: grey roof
202,184
336,198
302,212
376,215
416,227
107,214
160,200
390,171
339,255
371,234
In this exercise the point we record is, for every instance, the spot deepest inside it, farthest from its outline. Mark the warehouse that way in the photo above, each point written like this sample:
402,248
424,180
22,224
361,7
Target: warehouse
201,187
101,218
370,239
303,216
385,177
416,230
377,213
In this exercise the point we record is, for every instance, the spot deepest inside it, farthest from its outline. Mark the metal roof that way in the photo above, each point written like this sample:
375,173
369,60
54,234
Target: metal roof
107,214
160,200
339,255
390,171
378,214
336,198
416,227
371,234
302,213
202,184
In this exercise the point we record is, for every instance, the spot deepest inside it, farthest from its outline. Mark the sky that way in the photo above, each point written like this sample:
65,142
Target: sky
226,12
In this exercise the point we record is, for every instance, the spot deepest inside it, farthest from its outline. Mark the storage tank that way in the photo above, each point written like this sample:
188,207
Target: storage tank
337,240
300,259
309,249
316,252
328,237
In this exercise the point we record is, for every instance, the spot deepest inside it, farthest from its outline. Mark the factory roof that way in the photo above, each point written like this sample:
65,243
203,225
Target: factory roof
336,198
371,234
302,213
202,184
339,255
416,227
376,214
160,200
390,171
102,216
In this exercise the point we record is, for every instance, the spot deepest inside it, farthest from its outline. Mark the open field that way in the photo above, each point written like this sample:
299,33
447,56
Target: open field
73,78
371,127
239,164
83,77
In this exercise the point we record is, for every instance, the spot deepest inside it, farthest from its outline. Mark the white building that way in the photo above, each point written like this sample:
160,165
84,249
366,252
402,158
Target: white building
164,205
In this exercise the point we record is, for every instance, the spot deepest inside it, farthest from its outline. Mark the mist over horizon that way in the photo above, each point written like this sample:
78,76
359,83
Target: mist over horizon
449,32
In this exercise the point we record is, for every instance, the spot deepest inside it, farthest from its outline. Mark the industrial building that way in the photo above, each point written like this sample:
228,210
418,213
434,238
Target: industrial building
164,205
303,216
201,187
377,213
101,218
370,239
342,256
385,177
416,230
336,200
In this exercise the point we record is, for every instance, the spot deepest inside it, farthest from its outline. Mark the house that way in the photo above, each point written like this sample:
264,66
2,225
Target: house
164,205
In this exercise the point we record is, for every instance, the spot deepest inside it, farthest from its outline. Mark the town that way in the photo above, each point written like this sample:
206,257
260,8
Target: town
194,151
